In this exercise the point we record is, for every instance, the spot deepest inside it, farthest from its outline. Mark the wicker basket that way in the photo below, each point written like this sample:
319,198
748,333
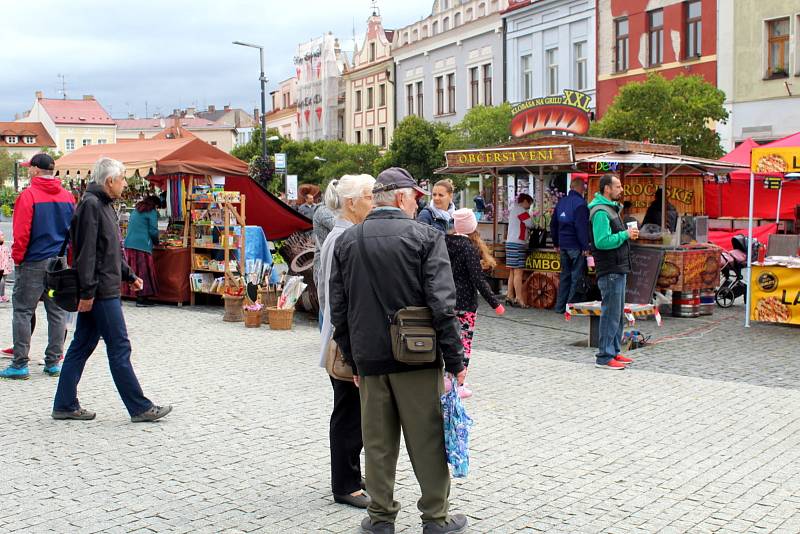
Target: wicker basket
252,319
268,298
233,309
280,319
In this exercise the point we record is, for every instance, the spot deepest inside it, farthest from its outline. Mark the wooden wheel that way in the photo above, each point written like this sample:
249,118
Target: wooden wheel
541,291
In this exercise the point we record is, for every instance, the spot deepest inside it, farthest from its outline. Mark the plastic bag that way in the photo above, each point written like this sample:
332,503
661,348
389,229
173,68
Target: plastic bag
456,431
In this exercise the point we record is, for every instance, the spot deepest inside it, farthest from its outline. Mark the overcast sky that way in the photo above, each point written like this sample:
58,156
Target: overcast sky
169,53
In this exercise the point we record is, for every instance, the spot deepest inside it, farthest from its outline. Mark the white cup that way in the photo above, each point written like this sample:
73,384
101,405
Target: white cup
633,225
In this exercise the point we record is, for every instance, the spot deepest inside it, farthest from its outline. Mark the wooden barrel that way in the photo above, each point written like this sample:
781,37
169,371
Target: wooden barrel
686,303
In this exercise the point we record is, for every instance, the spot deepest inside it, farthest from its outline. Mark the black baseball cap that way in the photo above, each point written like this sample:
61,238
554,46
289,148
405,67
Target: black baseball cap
42,161
396,178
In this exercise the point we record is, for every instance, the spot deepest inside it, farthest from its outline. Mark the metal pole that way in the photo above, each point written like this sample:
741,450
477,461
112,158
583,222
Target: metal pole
778,212
263,79
16,176
664,199
749,252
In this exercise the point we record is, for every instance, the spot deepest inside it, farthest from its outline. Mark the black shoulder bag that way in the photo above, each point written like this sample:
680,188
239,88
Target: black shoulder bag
411,328
62,281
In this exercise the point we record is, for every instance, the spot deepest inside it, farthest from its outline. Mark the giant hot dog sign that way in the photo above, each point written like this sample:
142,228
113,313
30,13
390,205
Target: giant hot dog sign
567,113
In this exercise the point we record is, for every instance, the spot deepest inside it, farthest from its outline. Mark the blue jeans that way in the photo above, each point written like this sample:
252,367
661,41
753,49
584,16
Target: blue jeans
612,318
104,320
573,265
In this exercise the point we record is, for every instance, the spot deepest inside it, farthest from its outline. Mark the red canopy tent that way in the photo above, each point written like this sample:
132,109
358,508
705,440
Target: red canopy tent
156,158
727,200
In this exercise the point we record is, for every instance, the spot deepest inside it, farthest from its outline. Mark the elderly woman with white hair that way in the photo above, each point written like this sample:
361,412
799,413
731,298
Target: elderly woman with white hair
101,268
350,199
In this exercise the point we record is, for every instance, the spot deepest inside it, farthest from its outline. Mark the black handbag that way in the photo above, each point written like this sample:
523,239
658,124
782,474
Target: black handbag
62,281
410,328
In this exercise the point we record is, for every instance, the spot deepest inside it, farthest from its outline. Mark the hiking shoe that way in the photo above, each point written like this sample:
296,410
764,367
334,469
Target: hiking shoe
379,527
53,370
80,414
622,359
14,373
455,524
612,365
153,414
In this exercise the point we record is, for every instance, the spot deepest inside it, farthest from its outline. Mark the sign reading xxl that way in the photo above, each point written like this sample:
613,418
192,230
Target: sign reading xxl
568,113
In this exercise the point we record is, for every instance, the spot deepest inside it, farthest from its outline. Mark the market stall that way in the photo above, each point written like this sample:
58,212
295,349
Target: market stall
773,291
542,165
173,163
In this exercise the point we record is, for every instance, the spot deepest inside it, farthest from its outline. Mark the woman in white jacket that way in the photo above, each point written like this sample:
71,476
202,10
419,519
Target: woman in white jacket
350,199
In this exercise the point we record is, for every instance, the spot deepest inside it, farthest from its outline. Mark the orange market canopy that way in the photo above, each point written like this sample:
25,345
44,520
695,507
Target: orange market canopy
156,156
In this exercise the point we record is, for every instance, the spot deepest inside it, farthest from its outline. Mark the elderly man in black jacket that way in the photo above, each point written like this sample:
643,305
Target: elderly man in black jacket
409,265
97,257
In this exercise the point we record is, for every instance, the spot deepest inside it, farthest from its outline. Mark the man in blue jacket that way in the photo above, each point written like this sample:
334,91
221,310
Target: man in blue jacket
569,228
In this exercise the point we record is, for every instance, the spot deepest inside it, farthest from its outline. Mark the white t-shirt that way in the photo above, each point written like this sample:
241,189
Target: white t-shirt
519,222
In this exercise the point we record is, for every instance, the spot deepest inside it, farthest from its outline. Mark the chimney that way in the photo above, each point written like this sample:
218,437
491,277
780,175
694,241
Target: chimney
88,97
226,108
256,116
39,95
190,113
141,136
176,112
157,115
131,116
212,108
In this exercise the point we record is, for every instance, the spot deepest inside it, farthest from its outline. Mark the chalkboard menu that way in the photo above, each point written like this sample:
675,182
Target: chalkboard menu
645,268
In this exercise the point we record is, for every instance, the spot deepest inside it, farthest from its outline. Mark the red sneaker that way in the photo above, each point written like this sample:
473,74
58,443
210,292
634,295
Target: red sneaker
612,365
7,352
622,359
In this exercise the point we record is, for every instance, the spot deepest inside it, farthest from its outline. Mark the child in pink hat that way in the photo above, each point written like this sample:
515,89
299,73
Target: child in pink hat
469,258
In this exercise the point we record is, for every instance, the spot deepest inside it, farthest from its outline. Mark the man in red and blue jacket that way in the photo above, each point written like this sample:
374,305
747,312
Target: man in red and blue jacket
42,216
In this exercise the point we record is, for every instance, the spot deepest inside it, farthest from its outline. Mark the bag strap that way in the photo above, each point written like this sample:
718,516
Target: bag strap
370,269
64,246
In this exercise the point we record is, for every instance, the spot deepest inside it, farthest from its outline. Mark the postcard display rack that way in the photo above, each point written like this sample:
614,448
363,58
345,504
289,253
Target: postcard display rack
217,224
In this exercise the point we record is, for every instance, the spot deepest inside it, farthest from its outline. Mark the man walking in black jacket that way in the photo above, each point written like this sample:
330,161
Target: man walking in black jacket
97,257
408,265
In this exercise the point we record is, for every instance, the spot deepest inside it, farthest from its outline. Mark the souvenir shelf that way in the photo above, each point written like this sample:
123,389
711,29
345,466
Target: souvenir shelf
217,224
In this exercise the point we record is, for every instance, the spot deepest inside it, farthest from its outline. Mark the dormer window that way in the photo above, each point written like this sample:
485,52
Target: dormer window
29,139
11,139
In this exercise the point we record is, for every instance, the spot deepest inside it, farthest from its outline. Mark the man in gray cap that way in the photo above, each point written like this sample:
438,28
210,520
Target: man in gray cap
380,266
42,215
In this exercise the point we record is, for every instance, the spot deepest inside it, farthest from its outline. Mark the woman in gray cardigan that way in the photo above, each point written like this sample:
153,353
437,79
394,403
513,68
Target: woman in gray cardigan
350,199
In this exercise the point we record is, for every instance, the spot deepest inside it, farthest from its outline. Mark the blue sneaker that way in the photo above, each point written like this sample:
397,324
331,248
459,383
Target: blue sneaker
14,373
53,370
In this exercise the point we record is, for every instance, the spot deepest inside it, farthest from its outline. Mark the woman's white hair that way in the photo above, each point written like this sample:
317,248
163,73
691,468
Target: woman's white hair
105,168
348,186
386,198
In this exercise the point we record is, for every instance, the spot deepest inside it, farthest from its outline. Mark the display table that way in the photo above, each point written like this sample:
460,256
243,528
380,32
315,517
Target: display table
775,291
592,310
172,273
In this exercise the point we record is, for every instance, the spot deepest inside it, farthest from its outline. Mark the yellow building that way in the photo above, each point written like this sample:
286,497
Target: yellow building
759,68
73,123
369,89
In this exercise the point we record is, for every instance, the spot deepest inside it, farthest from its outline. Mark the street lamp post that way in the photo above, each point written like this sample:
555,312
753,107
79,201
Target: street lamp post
263,79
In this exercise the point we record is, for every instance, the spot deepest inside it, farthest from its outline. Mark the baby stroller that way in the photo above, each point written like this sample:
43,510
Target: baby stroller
733,284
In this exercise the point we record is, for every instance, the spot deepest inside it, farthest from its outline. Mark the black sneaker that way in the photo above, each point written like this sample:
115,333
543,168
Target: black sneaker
378,527
81,414
455,524
153,414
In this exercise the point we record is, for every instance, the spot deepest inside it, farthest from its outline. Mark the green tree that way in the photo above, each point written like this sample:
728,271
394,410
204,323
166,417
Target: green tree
681,111
252,148
482,126
7,160
416,146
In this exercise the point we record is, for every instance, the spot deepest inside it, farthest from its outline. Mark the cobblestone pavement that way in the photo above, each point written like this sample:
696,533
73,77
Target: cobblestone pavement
700,436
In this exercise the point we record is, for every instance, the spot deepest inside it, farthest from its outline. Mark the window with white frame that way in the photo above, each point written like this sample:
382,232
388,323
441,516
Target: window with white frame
11,139
86,142
694,29
383,136
621,45
358,137
526,68
371,136
655,37
551,74
69,144
372,51
29,139
778,48
409,99
468,15
580,81
440,95
370,97
457,20
451,93
381,95
445,24
357,103
474,87
487,84
420,99
101,141
435,27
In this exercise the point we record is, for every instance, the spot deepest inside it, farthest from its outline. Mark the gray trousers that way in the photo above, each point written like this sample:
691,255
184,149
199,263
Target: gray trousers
29,289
